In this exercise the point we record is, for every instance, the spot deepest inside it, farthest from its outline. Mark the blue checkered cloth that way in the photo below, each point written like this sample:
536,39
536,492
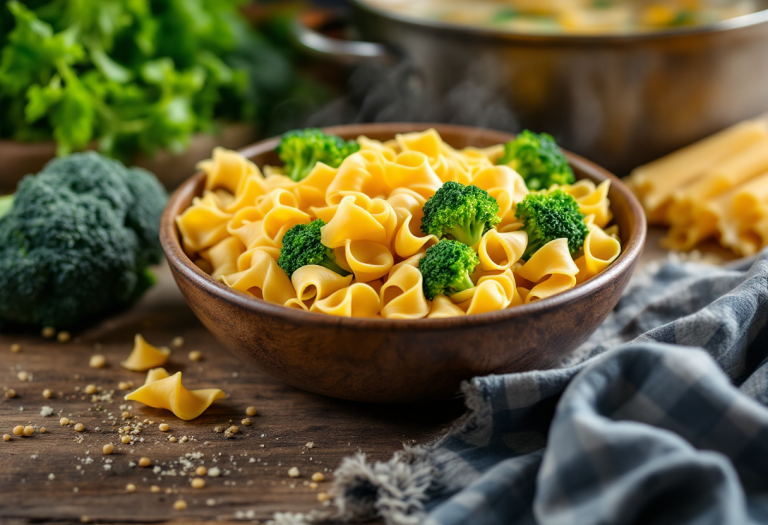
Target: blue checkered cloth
659,418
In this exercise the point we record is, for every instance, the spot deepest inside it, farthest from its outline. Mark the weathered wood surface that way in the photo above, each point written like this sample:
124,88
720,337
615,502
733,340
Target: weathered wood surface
60,476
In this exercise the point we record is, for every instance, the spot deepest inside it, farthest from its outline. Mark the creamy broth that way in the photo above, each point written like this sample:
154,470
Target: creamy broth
573,16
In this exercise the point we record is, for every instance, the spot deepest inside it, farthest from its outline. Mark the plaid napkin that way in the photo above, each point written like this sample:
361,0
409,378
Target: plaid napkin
659,418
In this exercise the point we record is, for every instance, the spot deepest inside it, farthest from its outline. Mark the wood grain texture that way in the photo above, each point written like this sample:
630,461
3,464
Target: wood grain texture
383,360
288,419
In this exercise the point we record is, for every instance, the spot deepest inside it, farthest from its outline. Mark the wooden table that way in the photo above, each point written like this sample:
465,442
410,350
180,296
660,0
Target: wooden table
63,476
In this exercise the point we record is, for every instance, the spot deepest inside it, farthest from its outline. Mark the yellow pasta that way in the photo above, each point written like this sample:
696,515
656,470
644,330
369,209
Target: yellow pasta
145,356
171,395
156,374
372,207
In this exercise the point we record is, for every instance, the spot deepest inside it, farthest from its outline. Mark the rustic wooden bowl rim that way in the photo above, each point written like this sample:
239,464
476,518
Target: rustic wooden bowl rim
169,237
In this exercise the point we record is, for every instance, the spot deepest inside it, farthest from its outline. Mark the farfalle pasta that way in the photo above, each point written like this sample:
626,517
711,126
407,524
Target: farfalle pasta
358,237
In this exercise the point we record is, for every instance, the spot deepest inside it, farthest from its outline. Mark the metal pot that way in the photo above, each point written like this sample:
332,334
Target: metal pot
619,100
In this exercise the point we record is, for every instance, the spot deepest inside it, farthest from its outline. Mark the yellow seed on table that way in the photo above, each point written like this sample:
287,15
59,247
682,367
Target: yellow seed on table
64,422
178,342
293,472
10,393
126,415
313,486
126,429
79,427
90,389
201,471
318,476
246,422
29,430
145,462
6,437
18,430
179,504
195,355
125,440
322,496
97,361
198,483
63,337
42,430
48,332
47,394
130,487
125,385
234,429
22,376
154,489
108,448
15,348
250,411
164,427
172,439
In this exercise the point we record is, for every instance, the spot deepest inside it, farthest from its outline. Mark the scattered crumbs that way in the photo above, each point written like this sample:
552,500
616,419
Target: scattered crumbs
23,376
310,445
107,467
51,476
178,342
97,361
235,374
46,411
214,472
250,411
293,472
210,502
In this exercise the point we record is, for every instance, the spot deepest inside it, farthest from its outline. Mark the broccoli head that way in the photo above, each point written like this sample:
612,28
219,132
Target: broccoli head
77,242
538,159
463,213
446,268
300,150
550,216
302,247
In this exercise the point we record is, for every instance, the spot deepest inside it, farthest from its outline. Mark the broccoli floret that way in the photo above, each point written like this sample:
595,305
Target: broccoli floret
463,213
6,203
446,268
300,150
302,247
550,216
538,159
77,242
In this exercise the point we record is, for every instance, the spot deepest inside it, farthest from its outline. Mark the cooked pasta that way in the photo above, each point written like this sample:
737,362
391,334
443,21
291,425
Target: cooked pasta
145,356
714,189
170,394
368,259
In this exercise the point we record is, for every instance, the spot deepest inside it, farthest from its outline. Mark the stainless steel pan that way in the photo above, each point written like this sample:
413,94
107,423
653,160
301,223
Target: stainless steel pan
619,100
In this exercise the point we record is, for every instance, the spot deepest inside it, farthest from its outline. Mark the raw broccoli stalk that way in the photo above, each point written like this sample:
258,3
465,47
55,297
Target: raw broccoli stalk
77,242
550,216
302,247
300,150
538,159
463,213
446,268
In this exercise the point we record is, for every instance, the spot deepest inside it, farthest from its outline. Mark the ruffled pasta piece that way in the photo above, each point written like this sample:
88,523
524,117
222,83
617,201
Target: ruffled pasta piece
311,191
551,268
495,291
443,307
409,238
202,226
317,282
245,260
248,226
452,169
227,169
503,184
592,200
368,260
224,256
281,219
358,300
145,356
385,150
252,188
274,199
156,374
499,251
600,250
264,279
413,260
427,142
171,395
412,170
407,199
376,222
402,296
362,172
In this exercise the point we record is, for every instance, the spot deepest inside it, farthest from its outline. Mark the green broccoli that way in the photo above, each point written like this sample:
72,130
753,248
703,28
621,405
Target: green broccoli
302,247
446,268
538,159
550,216
301,149
6,203
77,242
463,213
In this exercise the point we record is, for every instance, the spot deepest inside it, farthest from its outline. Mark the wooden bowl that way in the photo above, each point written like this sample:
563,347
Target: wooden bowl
400,361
